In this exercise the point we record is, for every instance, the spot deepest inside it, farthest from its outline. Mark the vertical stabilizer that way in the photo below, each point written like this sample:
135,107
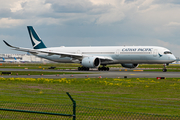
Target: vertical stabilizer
35,39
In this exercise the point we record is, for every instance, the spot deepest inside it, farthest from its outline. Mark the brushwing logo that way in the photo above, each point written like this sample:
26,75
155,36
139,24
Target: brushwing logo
160,55
36,42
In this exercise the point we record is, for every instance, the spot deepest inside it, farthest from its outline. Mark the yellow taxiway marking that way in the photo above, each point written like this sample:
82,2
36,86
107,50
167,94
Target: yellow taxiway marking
132,74
138,70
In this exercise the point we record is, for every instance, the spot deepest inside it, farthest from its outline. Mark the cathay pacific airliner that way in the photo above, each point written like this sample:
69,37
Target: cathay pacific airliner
93,57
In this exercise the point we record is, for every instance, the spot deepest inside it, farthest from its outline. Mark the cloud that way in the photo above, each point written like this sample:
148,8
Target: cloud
110,17
106,12
166,1
171,46
9,22
67,6
165,44
98,12
16,6
172,24
103,22
5,12
76,7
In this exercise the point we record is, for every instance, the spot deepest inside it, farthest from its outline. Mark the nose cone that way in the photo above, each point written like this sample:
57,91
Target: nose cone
173,58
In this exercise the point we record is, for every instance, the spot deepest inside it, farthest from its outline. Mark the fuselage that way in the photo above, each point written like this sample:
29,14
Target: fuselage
93,57
119,54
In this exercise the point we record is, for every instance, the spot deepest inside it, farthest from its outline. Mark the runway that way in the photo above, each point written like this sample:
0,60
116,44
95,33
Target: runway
95,74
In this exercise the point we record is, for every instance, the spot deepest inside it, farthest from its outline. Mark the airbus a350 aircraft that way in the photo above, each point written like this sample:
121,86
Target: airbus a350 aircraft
93,57
14,60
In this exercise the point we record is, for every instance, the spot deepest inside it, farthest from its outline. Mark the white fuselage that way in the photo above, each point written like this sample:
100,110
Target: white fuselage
119,54
93,57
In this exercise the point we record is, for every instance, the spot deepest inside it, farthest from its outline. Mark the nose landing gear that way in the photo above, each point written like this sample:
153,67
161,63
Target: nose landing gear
164,69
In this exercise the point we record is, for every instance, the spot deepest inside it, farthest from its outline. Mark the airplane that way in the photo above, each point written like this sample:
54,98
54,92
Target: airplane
9,60
22,61
93,57
14,60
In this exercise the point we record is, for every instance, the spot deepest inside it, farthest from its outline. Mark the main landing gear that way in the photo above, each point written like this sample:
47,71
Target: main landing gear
164,69
87,69
83,68
103,68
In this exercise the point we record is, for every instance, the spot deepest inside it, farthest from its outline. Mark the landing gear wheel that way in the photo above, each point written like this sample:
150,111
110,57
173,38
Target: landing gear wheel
87,69
83,69
164,70
103,68
79,68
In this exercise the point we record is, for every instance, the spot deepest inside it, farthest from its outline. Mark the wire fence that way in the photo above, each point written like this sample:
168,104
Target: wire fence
87,113
15,111
31,111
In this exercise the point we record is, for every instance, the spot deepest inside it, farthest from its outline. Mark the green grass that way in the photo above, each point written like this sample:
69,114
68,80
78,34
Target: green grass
64,66
74,66
142,95
160,70
150,65
158,66
39,66
40,73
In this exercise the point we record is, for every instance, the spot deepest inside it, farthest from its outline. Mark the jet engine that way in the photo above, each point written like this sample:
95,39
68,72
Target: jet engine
90,62
130,65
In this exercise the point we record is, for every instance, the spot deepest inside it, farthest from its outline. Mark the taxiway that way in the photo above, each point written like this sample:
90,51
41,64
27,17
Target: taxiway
96,74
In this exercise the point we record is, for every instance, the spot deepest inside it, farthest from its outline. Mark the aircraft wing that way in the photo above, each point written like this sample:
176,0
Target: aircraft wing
37,51
104,58
20,48
49,52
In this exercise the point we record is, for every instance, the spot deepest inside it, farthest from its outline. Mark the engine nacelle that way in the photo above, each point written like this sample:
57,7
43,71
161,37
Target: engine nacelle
90,62
130,65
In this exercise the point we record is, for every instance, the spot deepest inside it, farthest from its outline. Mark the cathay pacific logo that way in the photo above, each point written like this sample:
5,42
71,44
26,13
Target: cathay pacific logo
160,55
36,42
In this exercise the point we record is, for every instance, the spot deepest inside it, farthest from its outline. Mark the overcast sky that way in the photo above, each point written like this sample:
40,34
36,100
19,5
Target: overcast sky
91,23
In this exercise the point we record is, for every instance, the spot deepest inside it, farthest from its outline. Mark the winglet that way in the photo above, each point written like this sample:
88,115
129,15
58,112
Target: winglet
20,48
7,43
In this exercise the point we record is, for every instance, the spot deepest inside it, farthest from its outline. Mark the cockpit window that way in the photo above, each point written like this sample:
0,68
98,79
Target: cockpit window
167,52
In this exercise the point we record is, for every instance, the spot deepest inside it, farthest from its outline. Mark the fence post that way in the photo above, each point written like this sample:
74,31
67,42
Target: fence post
74,106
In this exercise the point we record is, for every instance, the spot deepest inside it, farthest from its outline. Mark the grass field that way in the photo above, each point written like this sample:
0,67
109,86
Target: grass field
142,95
40,73
160,70
39,66
75,66
135,95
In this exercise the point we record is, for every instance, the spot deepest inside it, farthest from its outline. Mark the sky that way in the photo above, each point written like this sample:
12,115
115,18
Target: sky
91,23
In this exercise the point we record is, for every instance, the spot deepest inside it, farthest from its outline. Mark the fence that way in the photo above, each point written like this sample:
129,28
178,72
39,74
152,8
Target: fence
9,110
31,111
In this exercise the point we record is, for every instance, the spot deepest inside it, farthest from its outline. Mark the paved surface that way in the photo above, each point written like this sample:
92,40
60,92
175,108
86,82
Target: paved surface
95,74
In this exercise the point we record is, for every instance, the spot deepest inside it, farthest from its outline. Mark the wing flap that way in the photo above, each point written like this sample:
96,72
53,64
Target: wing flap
61,53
